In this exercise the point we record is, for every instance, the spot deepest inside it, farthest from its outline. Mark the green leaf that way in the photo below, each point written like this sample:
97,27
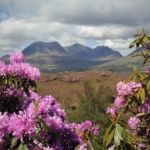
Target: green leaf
110,137
138,32
143,30
124,134
134,69
133,43
5,81
140,114
144,62
88,147
146,39
123,123
137,45
140,75
117,135
143,95
107,132
95,145
22,147
134,77
148,85
15,144
141,139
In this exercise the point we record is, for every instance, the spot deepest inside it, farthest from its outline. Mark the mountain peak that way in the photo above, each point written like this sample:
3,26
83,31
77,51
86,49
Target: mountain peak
43,47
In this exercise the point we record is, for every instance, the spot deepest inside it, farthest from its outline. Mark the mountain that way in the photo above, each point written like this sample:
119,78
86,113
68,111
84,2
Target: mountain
98,53
52,57
53,48
124,64
104,53
78,51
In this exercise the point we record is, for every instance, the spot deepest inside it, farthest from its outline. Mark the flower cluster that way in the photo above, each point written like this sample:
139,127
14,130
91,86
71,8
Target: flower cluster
84,130
148,70
128,88
112,111
40,116
145,108
16,57
19,67
125,90
37,121
133,122
4,121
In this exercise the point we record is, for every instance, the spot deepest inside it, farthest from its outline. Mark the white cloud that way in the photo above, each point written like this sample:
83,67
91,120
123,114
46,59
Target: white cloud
110,22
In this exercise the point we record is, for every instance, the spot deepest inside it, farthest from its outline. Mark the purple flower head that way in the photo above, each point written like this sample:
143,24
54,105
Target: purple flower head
141,145
123,89
112,111
16,57
148,70
145,108
133,122
23,123
27,71
120,102
95,130
127,88
4,120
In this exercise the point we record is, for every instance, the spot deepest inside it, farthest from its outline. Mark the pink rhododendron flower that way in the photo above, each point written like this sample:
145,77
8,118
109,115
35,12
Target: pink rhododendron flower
112,110
145,108
4,120
148,70
133,122
120,102
16,57
21,124
127,88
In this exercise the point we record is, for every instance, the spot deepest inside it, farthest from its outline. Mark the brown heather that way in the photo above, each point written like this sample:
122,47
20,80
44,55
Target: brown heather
64,86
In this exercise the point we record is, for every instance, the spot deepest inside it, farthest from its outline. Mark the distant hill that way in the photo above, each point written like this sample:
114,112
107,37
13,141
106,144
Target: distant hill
98,53
52,57
104,52
124,64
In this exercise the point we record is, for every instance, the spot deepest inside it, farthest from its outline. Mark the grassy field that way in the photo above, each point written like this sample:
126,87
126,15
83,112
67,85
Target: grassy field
64,86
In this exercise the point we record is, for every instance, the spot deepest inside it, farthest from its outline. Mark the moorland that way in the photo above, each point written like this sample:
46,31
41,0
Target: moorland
83,95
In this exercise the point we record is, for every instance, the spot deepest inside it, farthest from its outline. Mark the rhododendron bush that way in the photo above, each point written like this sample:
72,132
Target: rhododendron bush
30,121
133,98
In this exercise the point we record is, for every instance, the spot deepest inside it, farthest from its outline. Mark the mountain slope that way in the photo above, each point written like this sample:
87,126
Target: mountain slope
124,64
105,53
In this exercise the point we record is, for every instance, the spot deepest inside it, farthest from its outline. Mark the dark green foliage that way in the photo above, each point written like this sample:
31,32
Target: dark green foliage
92,106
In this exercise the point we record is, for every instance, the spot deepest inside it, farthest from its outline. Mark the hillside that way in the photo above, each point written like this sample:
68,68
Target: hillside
124,64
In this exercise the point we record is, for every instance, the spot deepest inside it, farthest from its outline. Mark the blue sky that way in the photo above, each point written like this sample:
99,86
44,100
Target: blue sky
89,22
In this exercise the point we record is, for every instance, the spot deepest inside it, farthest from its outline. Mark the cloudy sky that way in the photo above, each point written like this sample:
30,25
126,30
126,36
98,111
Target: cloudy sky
89,22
